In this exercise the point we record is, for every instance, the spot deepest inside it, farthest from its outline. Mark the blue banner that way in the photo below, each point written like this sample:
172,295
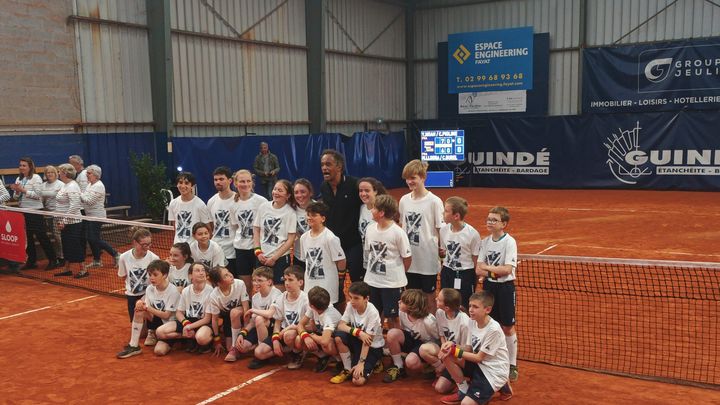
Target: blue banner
494,60
366,154
664,150
666,76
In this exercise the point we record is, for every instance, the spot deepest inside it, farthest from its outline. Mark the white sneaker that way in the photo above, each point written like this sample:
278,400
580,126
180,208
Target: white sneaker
94,264
151,339
296,361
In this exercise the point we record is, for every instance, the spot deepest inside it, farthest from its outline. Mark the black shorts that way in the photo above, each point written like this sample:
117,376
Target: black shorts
424,282
411,345
504,309
227,324
268,340
179,325
245,262
154,323
386,300
355,345
252,336
279,269
479,388
468,281
468,371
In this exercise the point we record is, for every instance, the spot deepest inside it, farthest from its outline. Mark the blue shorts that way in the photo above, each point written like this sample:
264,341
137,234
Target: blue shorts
479,388
355,345
503,311
426,283
411,345
386,300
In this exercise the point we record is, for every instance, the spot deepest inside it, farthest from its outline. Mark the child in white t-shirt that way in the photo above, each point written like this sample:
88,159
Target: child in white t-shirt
192,321
288,309
317,326
180,259
274,231
132,268
203,249
496,264
483,357
421,215
244,212
321,252
418,327
460,248
261,316
368,189
452,326
229,301
186,209
389,258
359,338
157,308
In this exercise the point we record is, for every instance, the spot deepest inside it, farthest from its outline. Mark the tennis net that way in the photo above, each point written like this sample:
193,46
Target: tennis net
117,234
644,318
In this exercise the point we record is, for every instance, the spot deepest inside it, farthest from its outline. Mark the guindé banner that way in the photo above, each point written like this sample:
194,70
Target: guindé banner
664,76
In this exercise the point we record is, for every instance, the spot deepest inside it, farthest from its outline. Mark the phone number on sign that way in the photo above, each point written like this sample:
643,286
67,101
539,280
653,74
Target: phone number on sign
492,78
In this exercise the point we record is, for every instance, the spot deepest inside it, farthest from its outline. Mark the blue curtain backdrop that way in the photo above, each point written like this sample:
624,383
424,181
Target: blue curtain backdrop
366,154
109,151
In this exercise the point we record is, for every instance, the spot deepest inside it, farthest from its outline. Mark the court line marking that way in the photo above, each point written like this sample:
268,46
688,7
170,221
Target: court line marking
237,387
46,307
546,249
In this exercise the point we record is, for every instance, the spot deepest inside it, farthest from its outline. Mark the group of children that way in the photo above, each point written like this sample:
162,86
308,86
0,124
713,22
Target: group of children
455,333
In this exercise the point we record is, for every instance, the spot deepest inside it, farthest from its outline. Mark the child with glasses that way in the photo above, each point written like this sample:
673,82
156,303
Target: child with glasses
496,265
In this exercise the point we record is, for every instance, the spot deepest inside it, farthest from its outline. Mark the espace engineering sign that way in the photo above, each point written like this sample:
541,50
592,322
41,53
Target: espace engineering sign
659,77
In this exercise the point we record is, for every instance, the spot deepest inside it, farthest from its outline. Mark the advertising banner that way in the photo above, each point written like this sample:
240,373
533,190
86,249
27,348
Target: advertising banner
661,151
12,236
666,76
490,60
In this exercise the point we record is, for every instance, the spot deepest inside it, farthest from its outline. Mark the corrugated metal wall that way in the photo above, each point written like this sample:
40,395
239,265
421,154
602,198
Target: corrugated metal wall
561,18
113,66
359,88
609,20
220,81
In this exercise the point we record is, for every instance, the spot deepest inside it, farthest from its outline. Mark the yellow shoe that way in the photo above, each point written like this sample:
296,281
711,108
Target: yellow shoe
341,377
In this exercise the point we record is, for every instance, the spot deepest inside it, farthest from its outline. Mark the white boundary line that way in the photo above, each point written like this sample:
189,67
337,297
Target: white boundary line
237,387
47,307
546,249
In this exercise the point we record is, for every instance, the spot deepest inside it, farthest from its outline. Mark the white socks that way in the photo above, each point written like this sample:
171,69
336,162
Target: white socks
397,360
347,363
512,348
135,333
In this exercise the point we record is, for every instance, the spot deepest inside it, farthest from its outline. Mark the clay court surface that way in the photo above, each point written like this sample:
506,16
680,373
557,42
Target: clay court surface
60,343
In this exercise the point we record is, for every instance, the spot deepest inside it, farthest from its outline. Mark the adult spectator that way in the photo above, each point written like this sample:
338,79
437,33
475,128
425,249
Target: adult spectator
71,229
27,190
340,193
49,191
81,175
266,168
93,199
